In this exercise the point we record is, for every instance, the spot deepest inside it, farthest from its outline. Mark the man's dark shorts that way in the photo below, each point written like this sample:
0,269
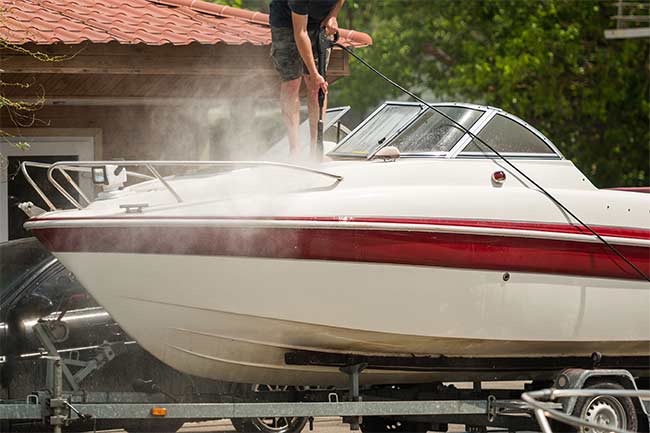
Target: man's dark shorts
285,54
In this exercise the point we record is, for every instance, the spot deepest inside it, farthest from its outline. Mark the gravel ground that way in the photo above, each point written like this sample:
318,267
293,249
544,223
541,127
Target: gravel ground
321,425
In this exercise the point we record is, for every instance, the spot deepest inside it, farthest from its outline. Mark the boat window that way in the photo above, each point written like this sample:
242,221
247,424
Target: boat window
507,136
432,132
375,131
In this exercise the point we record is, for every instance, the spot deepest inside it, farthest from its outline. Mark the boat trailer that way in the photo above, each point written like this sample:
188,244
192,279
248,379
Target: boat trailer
430,408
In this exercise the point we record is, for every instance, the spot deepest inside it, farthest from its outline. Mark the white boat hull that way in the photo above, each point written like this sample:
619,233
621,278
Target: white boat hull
234,318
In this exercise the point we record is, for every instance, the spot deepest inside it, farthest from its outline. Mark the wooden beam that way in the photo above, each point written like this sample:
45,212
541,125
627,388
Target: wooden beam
124,101
641,32
190,60
113,89
146,65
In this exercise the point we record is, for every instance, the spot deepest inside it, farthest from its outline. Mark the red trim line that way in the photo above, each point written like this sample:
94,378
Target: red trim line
610,231
490,252
642,189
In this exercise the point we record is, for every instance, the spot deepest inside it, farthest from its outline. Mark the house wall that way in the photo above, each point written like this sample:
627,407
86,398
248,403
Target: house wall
130,132
151,102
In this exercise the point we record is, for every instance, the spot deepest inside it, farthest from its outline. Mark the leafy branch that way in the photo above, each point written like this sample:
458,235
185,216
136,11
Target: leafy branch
22,112
38,55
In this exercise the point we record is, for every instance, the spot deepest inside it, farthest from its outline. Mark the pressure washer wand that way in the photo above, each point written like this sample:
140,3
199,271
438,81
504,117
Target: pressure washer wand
323,44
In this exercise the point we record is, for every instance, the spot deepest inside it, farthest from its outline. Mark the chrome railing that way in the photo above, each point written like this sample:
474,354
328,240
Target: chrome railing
64,172
64,167
538,400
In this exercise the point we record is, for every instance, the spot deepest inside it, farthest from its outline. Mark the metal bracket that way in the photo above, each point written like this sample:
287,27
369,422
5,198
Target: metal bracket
40,330
492,409
105,353
56,403
353,372
134,208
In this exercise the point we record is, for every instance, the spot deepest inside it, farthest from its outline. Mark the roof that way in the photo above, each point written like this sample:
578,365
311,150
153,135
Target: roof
149,22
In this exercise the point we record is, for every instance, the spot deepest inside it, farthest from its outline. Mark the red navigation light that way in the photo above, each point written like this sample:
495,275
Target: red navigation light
498,177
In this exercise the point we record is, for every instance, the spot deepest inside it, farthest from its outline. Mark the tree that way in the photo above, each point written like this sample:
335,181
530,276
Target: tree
258,5
545,61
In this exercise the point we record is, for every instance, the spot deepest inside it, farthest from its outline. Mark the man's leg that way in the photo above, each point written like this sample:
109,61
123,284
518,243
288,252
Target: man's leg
288,63
290,104
312,106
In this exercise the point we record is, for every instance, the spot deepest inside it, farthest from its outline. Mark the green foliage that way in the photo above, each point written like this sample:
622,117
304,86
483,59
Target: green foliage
546,61
233,3
257,5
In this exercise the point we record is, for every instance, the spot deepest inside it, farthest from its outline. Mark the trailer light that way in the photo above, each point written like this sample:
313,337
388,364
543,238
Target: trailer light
498,177
158,411
99,175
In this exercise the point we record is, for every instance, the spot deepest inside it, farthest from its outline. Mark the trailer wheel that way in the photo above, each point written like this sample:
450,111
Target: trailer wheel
607,410
378,424
154,426
269,425
265,425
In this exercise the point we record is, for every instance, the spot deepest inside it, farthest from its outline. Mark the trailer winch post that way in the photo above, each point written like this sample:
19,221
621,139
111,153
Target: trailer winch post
57,401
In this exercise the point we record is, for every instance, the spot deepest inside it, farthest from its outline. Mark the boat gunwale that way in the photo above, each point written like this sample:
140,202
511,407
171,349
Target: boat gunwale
539,230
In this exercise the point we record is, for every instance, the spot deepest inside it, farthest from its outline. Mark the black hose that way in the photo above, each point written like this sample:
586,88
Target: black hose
474,136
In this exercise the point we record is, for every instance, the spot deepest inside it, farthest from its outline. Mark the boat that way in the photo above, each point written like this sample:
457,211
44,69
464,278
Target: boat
412,242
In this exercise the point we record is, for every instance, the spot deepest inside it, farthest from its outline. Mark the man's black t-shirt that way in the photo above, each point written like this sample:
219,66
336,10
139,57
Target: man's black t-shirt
317,10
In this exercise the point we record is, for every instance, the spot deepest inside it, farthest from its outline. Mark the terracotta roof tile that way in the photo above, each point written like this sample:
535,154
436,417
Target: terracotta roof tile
151,22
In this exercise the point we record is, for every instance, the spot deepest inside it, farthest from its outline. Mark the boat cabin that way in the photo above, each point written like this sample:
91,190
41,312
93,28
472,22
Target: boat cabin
418,131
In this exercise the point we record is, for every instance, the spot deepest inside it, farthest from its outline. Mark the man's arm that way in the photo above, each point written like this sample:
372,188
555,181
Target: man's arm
330,23
304,48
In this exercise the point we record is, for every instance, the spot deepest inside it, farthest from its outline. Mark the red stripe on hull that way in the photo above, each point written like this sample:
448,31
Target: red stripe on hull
642,189
500,253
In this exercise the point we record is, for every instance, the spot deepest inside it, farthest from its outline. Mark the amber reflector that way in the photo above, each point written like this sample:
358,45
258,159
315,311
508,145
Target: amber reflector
158,411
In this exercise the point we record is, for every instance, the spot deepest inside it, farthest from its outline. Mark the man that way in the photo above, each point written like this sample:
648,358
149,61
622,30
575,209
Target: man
294,29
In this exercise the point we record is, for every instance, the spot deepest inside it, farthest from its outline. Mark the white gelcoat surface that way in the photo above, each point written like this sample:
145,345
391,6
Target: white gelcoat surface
233,318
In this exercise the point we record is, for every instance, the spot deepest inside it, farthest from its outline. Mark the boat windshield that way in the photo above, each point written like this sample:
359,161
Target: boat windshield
377,130
412,128
442,131
432,132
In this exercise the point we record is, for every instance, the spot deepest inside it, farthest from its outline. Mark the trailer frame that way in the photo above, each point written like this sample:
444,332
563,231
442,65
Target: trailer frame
434,407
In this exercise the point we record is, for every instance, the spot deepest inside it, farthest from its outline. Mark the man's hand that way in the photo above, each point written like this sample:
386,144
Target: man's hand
318,83
330,23
331,26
